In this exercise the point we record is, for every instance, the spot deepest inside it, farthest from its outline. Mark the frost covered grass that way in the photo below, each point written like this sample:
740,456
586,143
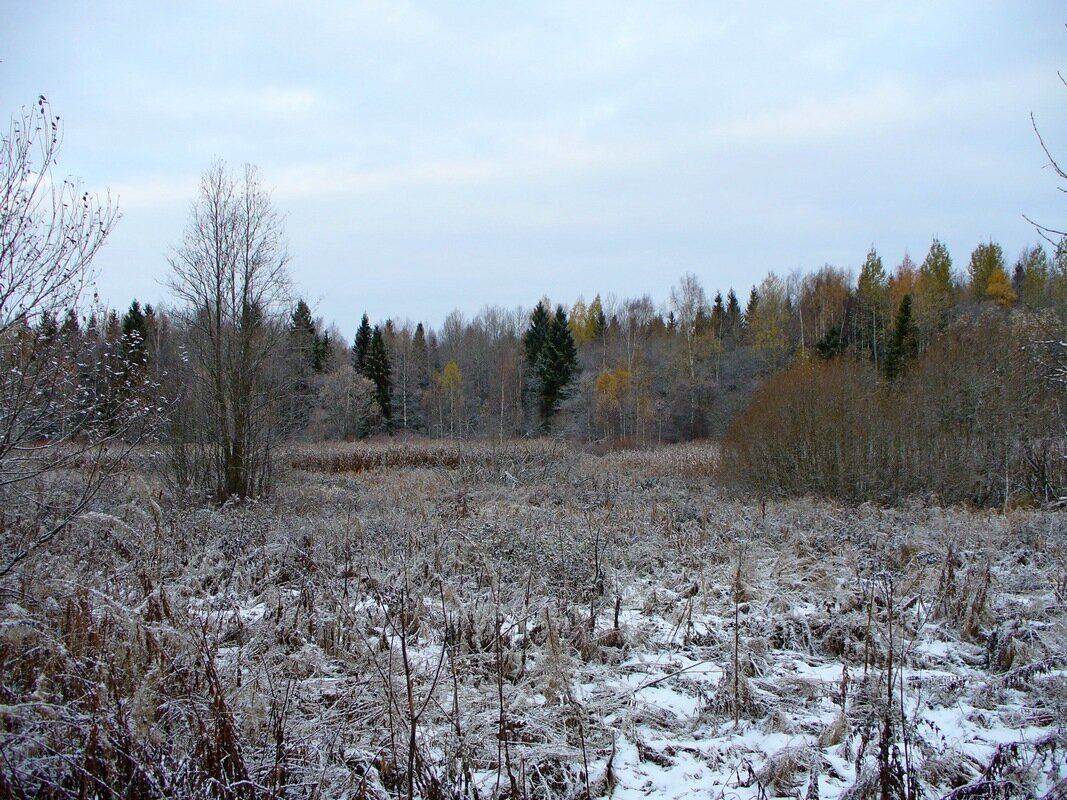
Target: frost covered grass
530,620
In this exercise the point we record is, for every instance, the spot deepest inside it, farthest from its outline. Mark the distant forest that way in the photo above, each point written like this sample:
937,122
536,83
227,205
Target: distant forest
970,352
928,379
633,371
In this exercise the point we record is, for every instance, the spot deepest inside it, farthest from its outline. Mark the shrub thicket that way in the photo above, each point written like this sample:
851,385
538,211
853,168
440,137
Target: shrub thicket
973,419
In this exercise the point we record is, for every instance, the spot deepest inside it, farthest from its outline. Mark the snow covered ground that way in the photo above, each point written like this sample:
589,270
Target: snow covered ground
534,621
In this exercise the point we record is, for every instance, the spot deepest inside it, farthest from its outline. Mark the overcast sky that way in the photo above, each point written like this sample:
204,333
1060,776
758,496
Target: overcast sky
431,156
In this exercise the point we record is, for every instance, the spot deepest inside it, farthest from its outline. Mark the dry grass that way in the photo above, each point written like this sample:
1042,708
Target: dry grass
438,620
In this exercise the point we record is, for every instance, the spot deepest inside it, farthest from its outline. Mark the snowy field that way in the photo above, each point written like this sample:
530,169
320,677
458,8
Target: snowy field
534,621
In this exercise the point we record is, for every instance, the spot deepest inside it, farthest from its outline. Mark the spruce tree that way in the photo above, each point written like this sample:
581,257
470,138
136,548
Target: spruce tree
71,328
552,357
320,360
378,370
303,334
134,337
718,315
751,310
300,320
558,363
303,341
536,335
599,321
361,346
903,344
420,371
831,345
48,327
732,317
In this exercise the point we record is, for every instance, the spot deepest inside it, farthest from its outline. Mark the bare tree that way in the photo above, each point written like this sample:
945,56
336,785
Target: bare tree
1047,232
230,273
49,231
689,303
56,441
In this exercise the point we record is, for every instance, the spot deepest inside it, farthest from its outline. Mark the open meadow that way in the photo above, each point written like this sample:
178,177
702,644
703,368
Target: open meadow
532,620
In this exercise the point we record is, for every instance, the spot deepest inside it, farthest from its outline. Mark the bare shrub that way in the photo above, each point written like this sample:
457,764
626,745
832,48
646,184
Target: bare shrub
972,421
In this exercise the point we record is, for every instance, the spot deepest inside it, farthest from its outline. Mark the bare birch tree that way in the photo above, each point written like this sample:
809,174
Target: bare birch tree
230,273
55,442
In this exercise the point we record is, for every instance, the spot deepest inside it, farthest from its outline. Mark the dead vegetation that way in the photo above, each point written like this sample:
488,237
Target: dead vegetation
528,620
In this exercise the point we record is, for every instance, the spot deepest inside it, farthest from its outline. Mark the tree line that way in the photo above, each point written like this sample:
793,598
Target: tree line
244,365
631,372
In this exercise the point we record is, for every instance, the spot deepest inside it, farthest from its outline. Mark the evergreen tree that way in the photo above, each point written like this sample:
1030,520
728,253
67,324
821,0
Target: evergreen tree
300,321
134,341
313,350
732,317
751,310
48,327
718,315
421,373
71,328
551,356
361,346
558,363
536,335
903,343
598,320
323,353
378,370
831,345
302,340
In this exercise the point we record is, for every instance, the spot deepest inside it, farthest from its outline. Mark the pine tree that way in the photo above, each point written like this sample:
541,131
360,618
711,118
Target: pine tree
361,346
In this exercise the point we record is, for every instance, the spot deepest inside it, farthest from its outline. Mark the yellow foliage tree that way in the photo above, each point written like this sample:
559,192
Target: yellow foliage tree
613,387
579,322
998,288
449,383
